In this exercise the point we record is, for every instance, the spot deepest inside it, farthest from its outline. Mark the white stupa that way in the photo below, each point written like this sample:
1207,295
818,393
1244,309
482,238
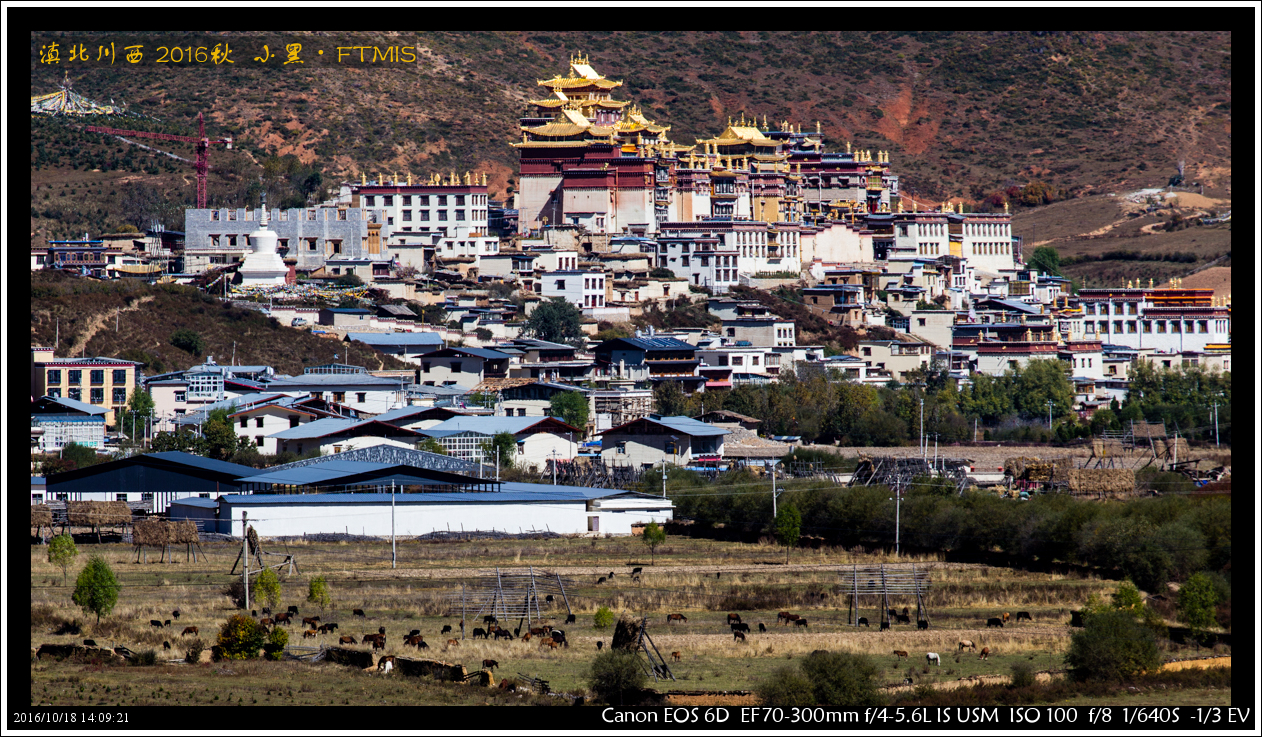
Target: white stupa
262,265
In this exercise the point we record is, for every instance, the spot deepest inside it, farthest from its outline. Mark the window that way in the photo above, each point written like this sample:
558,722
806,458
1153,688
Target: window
214,214
181,396
442,200
425,216
455,367
97,376
387,199
339,396
407,199
1174,326
1203,326
459,214
867,351
407,216
311,213
120,396
560,284
920,321
1130,326
425,367
258,421
424,200
754,360
1117,326
361,397
37,498
369,201
54,376
738,360
442,215
120,497
1131,308
98,396
232,239
120,376
74,377
245,422
460,199
622,448
389,221
311,244
1161,326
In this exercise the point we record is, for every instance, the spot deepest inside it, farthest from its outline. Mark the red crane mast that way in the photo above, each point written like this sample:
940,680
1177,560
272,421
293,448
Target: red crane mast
203,149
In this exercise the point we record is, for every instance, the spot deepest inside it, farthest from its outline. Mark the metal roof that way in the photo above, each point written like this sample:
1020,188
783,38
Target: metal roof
360,472
73,404
533,493
166,459
282,382
483,353
396,338
327,426
196,501
678,423
648,344
489,425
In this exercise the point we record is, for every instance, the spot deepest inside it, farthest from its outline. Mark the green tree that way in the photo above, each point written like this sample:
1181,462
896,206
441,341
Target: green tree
556,320
241,638
842,679
277,639
318,592
614,672
571,407
786,687
1197,599
267,587
1128,597
96,589
183,439
140,408
653,536
1110,647
220,439
603,618
1047,260
349,279
1037,383
80,455
187,340
62,553
431,445
787,528
505,444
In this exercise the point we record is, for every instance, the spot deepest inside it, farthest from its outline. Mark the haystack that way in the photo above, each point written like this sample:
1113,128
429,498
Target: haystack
160,533
1101,480
626,633
182,532
41,515
94,514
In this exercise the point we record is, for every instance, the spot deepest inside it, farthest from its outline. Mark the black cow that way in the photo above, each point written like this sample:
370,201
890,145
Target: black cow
548,597
89,643
903,619
293,609
166,623
446,629
600,644
884,625
762,627
490,619
571,619
637,570
922,624
414,633
267,610
381,630
1024,615
600,580
166,645
358,613
801,623
740,627
503,635
893,614
479,632
863,622
994,622
155,623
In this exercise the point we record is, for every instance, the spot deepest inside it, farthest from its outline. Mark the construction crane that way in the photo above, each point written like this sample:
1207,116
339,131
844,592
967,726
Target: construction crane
203,148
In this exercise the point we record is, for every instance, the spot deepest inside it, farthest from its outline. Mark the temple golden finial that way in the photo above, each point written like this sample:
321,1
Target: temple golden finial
363,178
467,177
915,206
817,128
409,179
483,179
1150,282
454,180
729,120
900,204
1005,207
764,121
394,178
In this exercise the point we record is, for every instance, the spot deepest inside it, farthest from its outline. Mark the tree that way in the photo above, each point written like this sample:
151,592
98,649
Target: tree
603,618
349,279
614,672
81,455
241,638
571,407
653,536
96,589
187,340
62,553
1110,647
140,408
277,639
556,320
1039,381
786,688
1047,260
430,445
787,528
220,437
318,592
184,439
505,444
1197,599
823,678
267,587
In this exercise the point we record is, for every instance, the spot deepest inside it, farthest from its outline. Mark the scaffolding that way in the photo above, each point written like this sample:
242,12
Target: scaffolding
883,582
508,596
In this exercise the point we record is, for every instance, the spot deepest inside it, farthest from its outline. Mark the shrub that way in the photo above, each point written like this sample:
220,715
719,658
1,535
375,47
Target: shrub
187,340
146,657
842,679
194,652
1197,599
277,639
267,587
318,592
1111,646
786,687
96,589
1022,674
62,553
236,592
603,619
614,672
241,638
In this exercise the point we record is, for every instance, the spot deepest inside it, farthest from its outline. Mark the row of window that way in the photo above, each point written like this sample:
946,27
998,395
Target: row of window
738,360
1131,308
1133,326
424,200
423,215
991,249
145,496
929,249
75,376
284,215
96,396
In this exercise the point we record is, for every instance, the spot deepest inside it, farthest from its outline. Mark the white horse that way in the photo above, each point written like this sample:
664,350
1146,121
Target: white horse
933,658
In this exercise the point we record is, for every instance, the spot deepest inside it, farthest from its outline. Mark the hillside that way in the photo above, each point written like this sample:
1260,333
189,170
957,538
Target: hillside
82,312
963,114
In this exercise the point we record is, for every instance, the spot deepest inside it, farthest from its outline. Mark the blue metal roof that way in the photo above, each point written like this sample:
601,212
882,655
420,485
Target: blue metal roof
209,464
512,493
75,404
196,501
485,425
681,424
316,428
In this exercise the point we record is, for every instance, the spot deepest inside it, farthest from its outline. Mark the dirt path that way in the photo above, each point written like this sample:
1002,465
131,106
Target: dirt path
97,322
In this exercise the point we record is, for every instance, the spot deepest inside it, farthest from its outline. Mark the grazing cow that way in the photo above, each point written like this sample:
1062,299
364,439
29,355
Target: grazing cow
675,618
738,635
637,571
175,614
312,622
719,574
740,627
293,609
414,633
155,623
985,654
479,632
1005,616
863,622
922,624
381,630
189,631
611,575
489,664
1024,615
903,619
884,625
600,644
379,643
933,659
792,618
967,644
267,610
166,645
386,663
635,578
600,580
571,619
906,610
537,631
994,622
308,634
900,654
733,618
893,614
503,635
89,643
422,645
907,681
762,627
446,629
347,640
328,628
167,623
676,656
266,622
525,637
453,643
800,622
490,619
548,597
254,613
282,618
546,642
414,641
358,613
782,617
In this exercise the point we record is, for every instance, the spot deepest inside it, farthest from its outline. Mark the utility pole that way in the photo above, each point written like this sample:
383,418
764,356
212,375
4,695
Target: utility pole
924,449
663,474
497,467
898,503
245,555
774,512
1216,424
1049,414
393,552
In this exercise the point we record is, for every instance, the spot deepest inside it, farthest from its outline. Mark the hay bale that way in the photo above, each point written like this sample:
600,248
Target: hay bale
41,516
626,633
345,656
93,514
1101,480
1015,467
182,532
1147,430
150,533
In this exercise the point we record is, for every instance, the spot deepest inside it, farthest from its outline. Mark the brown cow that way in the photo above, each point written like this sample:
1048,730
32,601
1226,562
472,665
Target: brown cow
379,643
329,627
547,642
311,622
985,654
738,635
308,634
189,631
415,641
799,622
733,618
791,617
676,656
553,644
490,664
675,618
453,643
282,618
347,640
266,621
783,618
1005,617
900,653
525,637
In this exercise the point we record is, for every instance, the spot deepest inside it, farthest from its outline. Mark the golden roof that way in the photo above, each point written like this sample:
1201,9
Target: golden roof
576,117
572,83
558,129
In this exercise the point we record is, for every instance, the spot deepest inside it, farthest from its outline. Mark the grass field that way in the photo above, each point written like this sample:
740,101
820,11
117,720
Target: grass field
702,579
